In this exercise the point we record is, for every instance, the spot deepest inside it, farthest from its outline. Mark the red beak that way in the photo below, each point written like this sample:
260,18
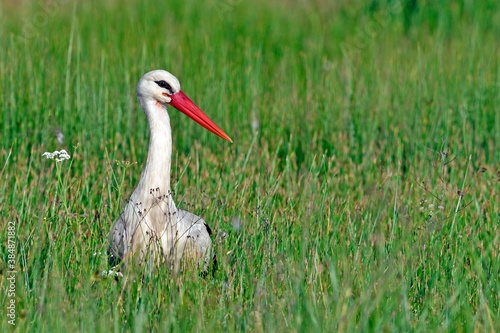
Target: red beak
182,103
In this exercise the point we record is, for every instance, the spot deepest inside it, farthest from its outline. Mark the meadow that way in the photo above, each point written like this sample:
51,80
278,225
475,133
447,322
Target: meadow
361,192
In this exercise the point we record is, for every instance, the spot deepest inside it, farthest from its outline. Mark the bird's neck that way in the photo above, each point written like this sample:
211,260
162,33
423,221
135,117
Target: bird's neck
156,173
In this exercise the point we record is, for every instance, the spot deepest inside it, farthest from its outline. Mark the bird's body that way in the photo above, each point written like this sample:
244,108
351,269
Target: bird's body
151,229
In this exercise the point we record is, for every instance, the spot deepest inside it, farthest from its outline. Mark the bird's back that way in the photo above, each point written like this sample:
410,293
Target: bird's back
197,235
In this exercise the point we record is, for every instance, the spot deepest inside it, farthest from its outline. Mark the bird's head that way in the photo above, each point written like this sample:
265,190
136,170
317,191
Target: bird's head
163,87
159,85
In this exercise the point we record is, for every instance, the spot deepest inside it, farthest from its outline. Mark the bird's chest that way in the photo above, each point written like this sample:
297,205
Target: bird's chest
156,217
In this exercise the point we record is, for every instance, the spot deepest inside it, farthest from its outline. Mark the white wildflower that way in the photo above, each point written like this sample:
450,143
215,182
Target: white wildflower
421,208
106,274
59,156
431,206
440,207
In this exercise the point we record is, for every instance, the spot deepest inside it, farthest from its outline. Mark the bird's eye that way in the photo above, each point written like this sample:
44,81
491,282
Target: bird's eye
165,85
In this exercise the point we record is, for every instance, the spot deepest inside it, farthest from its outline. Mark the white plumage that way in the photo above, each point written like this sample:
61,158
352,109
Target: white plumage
151,230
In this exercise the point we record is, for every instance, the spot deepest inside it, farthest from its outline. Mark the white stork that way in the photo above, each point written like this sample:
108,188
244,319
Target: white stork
151,229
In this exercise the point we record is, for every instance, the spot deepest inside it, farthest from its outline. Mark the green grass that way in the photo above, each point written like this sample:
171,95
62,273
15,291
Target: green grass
348,97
